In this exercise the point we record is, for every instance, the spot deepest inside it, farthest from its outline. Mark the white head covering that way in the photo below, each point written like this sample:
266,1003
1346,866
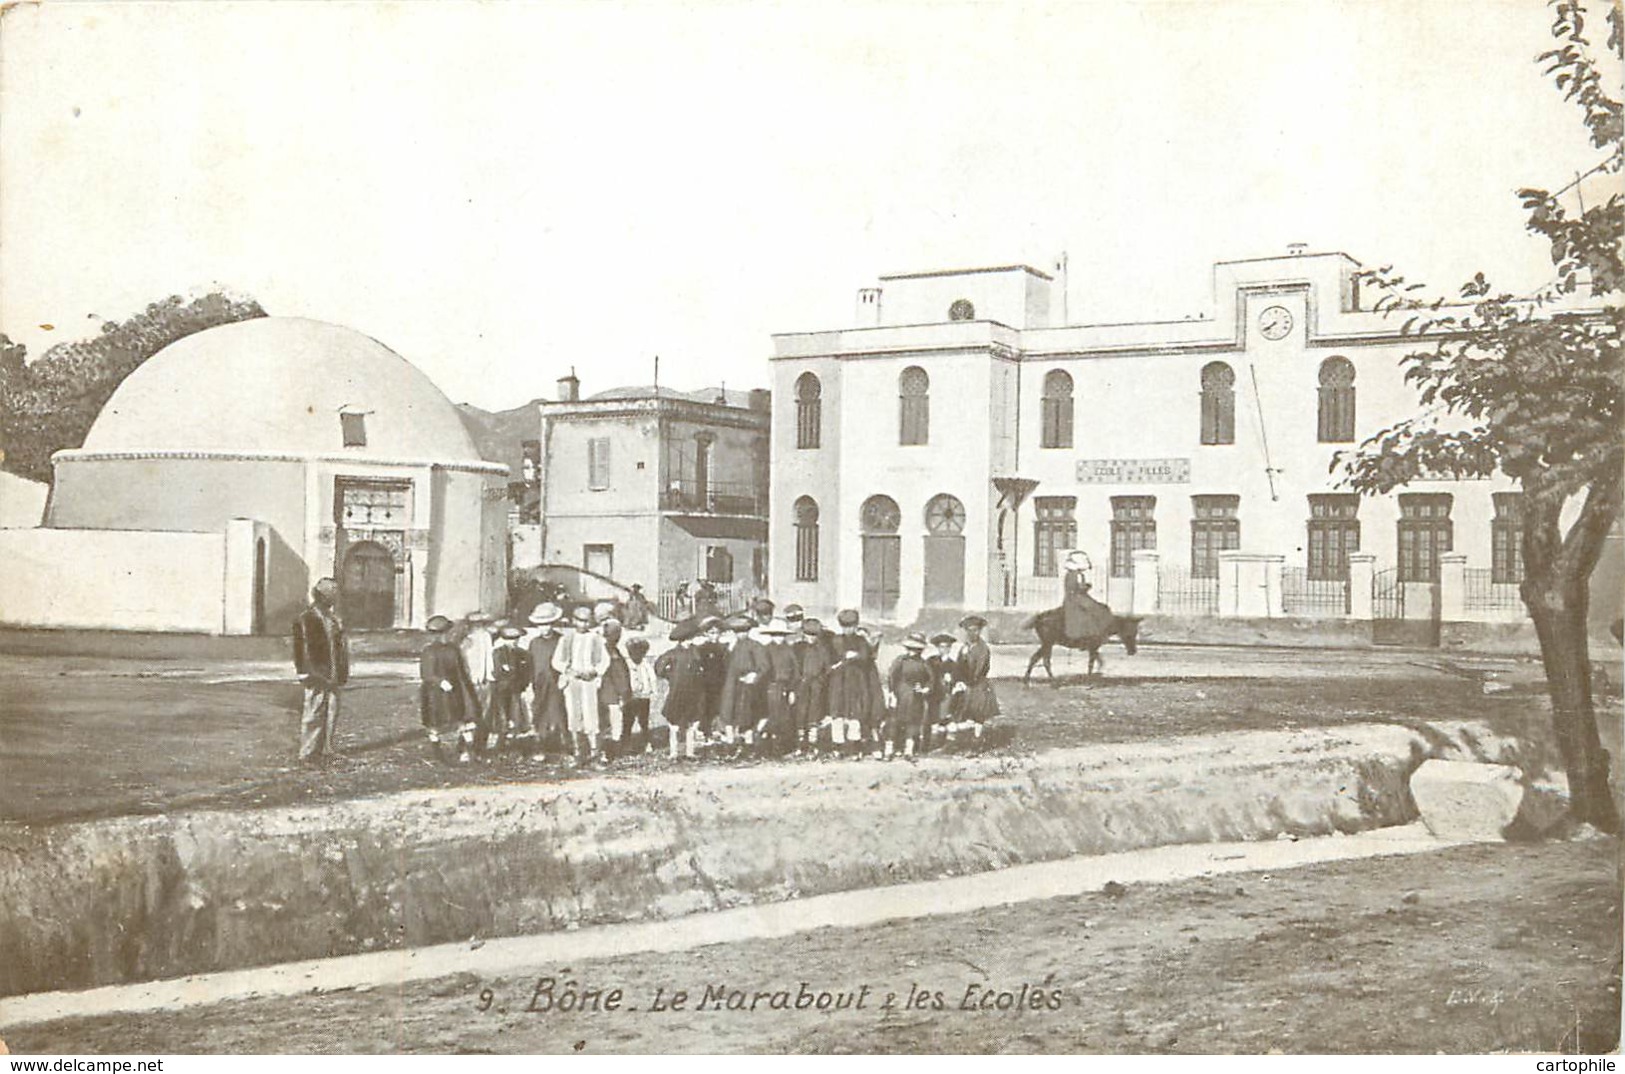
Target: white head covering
1078,560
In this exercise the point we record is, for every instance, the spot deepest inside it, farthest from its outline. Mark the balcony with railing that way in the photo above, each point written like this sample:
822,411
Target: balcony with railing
738,499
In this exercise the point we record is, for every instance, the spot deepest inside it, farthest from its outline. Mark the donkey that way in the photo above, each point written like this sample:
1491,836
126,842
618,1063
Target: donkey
1049,628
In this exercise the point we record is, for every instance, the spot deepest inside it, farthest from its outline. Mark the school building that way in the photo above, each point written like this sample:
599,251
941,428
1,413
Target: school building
947,449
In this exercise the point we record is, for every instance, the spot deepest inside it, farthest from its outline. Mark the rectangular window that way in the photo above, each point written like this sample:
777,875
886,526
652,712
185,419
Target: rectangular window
354,427
1336,422
1506,538
1425,533
809,423
915,419
1334,532
598,463
1218,418
1055,427
1134,526
807,551
1215,528
1055,532
719,564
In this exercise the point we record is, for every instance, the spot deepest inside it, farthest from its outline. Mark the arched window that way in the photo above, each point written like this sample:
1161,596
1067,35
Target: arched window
945,516
806,539
1057,416
1218,404
809,411
880,516
914,406
1336,401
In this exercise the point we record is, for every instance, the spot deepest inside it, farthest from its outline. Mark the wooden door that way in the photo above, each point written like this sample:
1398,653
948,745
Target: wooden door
367,587
944,571
882,558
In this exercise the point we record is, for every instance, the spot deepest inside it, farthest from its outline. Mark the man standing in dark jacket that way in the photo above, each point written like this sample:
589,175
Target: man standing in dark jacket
321,656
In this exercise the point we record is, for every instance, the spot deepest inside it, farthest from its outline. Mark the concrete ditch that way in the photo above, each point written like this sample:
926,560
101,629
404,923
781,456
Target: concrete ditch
142,898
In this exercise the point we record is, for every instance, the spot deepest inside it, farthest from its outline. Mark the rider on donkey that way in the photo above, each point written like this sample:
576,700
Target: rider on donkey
1084,616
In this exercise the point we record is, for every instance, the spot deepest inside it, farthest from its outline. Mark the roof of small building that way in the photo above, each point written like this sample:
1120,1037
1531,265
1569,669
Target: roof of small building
722,396
278,385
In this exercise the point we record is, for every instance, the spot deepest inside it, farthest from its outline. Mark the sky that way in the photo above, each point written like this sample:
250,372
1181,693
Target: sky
501,191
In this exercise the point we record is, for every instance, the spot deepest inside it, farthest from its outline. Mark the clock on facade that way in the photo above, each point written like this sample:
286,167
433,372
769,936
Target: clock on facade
1275,322
961,310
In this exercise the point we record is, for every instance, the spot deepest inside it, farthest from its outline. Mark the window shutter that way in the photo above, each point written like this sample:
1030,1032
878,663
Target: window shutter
598,463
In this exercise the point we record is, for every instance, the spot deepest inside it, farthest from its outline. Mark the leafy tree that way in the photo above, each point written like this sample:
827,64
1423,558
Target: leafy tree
49,404
1533,386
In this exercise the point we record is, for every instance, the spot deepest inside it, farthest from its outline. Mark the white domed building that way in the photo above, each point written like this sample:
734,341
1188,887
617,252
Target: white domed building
312,450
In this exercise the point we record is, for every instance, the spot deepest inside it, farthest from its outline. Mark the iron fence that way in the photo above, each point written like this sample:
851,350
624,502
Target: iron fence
1306,596
1387,595
715,598
715,498
1180,592
1037,593
1484,594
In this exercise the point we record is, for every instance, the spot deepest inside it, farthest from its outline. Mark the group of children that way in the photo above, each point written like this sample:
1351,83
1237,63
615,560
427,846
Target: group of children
582,688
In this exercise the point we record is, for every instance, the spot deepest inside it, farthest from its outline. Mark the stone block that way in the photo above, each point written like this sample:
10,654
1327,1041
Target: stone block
1466,799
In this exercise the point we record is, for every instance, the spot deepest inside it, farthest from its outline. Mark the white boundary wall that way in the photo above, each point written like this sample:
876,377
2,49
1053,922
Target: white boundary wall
114,580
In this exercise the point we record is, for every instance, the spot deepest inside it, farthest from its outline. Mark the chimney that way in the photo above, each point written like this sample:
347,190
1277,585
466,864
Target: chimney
761,400
570,387
868,307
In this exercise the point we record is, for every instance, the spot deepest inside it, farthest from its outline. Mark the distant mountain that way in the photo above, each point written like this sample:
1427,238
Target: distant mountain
499,436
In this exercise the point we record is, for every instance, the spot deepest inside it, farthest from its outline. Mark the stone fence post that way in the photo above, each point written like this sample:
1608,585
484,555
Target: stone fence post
1362,573
1147,581
1453,587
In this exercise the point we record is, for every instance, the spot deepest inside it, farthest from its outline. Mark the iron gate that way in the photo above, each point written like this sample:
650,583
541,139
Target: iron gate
1387,595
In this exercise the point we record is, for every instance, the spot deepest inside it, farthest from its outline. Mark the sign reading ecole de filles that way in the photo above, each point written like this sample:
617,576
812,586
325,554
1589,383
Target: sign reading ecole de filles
1134,471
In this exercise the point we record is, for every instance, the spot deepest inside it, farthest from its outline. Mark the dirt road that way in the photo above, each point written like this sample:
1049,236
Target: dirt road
1479,949
84,737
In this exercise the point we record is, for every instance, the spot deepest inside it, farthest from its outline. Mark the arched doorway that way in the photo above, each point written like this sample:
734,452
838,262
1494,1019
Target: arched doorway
944,552
882,555
367,587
